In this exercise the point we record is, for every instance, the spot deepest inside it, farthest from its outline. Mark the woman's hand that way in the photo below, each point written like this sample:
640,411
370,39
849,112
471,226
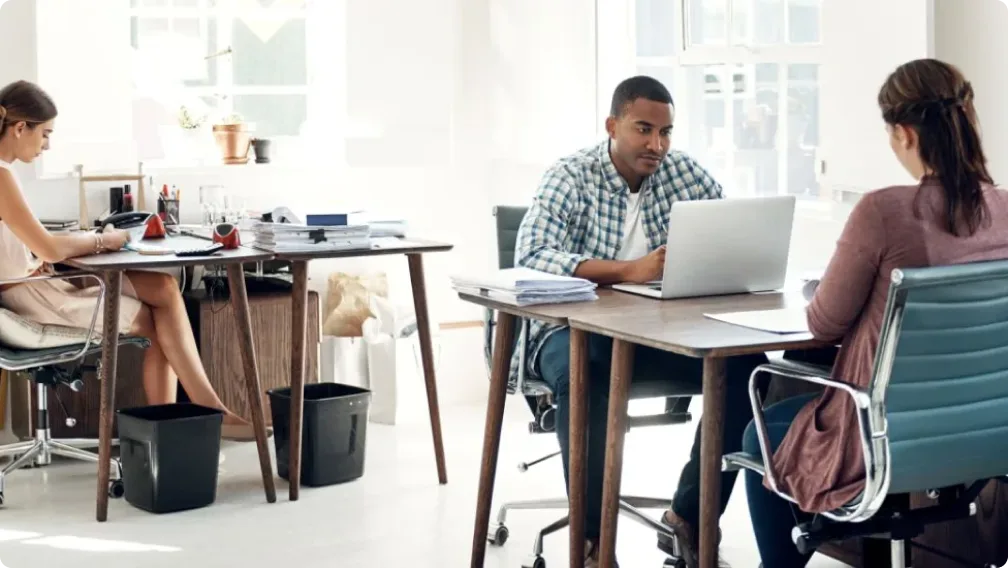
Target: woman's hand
114,239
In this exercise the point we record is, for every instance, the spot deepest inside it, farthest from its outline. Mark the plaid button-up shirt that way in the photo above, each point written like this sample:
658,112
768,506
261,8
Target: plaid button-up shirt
578,214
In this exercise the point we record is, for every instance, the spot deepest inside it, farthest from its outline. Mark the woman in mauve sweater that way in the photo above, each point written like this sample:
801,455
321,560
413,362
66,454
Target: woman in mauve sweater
953,215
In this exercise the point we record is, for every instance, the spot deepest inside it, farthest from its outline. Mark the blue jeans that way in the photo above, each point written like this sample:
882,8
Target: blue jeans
554,367
772,516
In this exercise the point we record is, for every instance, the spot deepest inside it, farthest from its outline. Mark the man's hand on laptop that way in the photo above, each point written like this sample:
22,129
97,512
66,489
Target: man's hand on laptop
646,268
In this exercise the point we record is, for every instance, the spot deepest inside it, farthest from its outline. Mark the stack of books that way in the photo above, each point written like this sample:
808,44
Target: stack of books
526,287
290,237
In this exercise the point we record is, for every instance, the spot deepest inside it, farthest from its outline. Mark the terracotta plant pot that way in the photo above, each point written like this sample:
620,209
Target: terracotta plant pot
234,142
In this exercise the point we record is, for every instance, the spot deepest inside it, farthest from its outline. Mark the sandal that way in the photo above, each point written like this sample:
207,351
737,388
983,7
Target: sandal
241,432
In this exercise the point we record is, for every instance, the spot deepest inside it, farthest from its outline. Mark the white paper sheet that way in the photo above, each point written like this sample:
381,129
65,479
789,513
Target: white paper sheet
783,321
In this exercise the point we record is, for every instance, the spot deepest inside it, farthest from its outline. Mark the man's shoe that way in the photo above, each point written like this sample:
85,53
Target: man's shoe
591,558
685,544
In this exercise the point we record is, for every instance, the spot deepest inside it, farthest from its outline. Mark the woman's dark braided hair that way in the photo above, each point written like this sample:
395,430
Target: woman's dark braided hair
936,101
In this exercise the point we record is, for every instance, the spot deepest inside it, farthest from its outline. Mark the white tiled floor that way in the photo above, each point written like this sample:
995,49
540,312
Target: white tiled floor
396,515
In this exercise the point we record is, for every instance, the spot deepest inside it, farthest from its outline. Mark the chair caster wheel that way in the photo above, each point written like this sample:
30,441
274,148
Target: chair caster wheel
498,536
116,489
535,562
674,563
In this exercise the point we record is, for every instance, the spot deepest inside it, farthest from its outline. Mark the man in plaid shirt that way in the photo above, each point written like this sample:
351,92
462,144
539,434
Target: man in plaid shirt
602,214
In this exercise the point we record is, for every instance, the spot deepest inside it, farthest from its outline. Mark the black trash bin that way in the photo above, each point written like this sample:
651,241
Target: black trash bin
170,454
333,432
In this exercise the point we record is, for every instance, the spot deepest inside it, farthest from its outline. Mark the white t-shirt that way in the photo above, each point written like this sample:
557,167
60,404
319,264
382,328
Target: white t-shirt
634,244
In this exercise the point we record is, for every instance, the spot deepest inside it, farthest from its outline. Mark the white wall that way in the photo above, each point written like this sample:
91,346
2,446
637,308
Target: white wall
864,40
971,35
470,114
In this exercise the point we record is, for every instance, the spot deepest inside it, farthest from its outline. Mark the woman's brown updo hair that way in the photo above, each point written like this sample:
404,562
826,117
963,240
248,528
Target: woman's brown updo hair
23,101
936,101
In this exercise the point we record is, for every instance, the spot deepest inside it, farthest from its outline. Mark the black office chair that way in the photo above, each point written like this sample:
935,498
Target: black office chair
61,362
539,398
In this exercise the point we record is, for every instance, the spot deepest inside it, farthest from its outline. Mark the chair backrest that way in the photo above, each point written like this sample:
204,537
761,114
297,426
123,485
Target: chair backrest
941,373
508,220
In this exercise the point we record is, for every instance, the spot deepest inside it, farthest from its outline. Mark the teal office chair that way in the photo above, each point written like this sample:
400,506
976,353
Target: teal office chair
934,417
539,398
53,356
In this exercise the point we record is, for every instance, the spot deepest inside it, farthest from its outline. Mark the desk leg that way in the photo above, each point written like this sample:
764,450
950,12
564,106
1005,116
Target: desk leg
619,393
578,444
243,319
711,447
499,370
427,355
299,333
109,361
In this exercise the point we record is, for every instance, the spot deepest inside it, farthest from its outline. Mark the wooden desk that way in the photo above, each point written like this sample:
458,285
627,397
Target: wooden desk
678,326
414,250
111,267
503,349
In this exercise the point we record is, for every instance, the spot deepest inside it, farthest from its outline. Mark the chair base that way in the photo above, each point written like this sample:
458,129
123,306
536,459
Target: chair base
898,523
629,506
40,451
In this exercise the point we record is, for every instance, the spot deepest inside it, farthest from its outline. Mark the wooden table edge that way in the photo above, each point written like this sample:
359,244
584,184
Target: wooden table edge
517,311
175,262
360,253
700,352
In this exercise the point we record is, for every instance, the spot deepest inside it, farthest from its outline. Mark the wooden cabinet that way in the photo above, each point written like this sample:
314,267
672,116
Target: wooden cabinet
82,406
213,322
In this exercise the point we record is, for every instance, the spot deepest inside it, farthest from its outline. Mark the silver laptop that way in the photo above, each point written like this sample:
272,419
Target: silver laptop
724,246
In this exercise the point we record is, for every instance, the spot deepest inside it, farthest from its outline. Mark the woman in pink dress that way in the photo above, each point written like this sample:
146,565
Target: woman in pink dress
151,303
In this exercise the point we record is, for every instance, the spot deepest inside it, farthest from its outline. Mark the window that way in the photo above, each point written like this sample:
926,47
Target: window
280,65
745,75
226,57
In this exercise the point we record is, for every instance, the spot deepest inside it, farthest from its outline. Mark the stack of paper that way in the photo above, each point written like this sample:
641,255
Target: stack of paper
525,287
289,237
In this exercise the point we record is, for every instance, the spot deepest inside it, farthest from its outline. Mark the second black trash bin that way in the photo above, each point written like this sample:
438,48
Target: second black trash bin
333,432
170,454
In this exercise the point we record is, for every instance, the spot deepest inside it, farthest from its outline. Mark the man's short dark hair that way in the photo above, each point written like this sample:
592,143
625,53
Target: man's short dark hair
639,87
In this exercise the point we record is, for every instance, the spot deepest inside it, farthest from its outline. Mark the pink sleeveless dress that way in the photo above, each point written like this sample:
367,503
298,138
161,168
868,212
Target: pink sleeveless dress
57,302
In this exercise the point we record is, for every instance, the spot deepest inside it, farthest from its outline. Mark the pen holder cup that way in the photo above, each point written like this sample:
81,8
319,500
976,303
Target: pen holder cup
168,210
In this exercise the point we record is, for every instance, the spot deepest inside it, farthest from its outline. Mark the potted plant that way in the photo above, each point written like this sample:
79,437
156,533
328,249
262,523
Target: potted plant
233,139
186,140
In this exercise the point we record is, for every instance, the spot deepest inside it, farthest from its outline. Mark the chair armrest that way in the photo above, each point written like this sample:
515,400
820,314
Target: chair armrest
819,375
94,315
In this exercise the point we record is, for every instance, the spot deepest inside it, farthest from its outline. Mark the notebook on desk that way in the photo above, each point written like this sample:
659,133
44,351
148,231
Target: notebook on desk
783,321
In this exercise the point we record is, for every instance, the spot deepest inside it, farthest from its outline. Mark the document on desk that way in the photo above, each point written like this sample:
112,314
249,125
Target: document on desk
782,321
525,287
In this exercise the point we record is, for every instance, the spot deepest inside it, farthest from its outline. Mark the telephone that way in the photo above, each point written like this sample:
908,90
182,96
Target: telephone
125,221
139,224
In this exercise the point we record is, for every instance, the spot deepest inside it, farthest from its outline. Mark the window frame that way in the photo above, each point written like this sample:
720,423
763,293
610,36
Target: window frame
224,13
687,55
